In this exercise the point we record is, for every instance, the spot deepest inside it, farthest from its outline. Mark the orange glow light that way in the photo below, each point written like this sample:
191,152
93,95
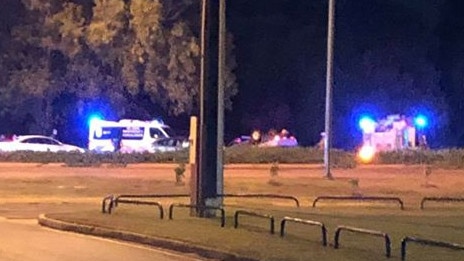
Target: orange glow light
366,154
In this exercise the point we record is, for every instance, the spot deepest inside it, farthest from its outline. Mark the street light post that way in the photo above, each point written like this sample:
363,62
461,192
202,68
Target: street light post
221,88
206,185
329,86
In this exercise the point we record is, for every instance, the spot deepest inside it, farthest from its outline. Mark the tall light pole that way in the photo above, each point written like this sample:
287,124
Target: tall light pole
221,87
329,86
206,184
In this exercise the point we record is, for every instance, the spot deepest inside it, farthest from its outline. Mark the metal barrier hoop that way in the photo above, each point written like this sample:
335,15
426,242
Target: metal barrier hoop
427,242
138,202
249,213
297,202
360,198
109,198
223,213
364,231
306,222
439,199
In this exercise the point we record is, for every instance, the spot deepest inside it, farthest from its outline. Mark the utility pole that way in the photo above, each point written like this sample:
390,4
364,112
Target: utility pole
208,131
221,87
329,86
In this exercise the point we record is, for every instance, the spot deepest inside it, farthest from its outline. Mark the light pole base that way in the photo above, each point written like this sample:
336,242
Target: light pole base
329,177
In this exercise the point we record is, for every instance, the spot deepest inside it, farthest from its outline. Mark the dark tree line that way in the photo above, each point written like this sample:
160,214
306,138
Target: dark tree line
63,60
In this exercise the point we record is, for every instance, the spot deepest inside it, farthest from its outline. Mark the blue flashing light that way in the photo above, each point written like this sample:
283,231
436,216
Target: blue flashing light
93,118
421,121
158,121
367,124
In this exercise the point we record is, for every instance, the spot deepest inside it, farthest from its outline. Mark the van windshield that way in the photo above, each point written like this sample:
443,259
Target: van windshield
169,131
157,133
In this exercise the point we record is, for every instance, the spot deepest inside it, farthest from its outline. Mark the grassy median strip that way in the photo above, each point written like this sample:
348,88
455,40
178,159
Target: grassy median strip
253,240
75,194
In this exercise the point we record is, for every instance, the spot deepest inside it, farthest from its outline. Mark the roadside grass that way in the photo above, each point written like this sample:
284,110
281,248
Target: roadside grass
75,195
301,242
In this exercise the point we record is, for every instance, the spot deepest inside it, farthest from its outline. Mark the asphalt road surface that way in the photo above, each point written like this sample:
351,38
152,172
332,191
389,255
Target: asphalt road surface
25,240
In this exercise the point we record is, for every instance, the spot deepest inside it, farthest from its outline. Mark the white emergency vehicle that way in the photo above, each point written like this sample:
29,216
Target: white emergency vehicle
126,135
395,132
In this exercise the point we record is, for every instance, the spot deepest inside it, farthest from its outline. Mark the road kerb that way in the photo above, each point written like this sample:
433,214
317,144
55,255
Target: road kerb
174,245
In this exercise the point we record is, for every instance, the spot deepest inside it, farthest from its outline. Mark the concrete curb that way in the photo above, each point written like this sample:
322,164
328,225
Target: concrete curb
178,246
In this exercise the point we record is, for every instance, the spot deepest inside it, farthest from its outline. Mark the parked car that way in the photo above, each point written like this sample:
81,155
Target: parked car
242,140
36,143
170,144
270,139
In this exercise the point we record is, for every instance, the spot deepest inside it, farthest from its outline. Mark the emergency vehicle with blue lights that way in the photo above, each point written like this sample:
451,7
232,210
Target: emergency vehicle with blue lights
393,133
126,135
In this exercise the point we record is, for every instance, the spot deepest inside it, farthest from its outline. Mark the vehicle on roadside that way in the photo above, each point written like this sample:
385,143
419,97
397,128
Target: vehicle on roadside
36,143
126,135
396,132
270,139
242,140
170,144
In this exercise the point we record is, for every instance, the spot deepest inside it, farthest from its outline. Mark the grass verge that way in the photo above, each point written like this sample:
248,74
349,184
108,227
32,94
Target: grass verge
74,195
252,239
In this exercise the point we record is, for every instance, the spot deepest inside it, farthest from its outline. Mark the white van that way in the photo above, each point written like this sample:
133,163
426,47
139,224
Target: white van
126,135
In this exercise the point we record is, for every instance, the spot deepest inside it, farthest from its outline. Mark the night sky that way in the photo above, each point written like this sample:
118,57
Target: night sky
267,38
391,56
281,52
